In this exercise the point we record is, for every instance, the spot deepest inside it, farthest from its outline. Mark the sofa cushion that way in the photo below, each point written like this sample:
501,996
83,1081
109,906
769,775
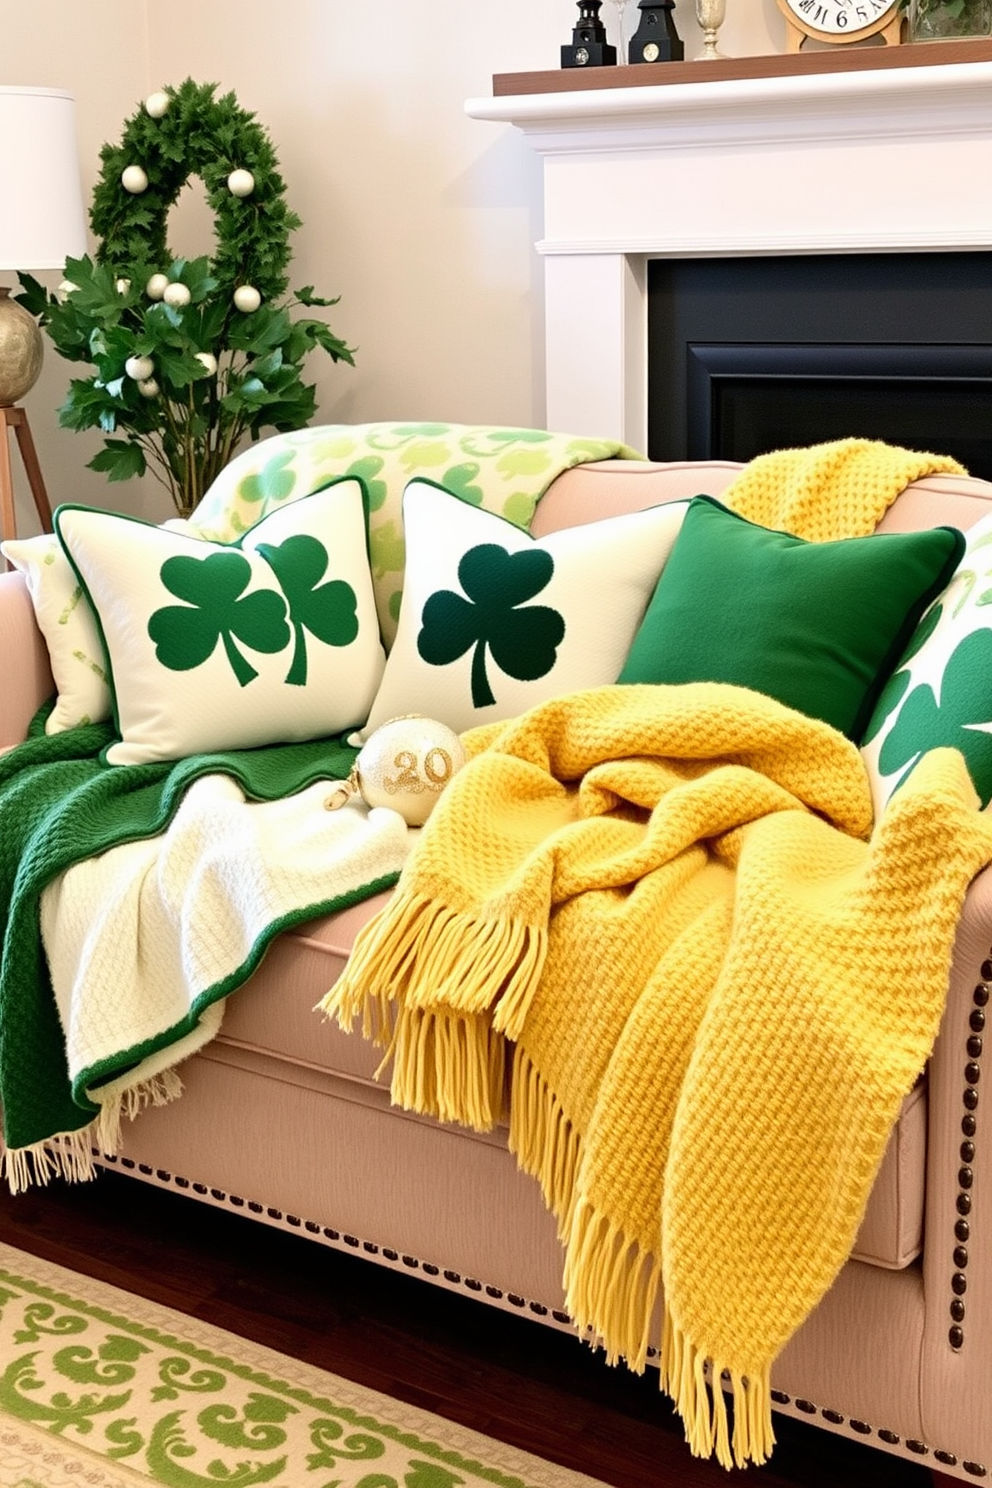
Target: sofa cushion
941,691
818,626
494,621
270,639
271,1019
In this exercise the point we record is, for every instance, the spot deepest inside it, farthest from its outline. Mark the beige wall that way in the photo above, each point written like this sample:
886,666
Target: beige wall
421,219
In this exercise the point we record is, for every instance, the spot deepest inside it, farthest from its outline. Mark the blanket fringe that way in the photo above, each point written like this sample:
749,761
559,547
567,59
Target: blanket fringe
448,1066
697,1387
425,955
157,1090
543,1140
69,1155
611,1285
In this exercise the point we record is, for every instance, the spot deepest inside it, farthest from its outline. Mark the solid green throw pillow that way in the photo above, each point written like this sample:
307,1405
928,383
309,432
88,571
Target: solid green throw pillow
819,626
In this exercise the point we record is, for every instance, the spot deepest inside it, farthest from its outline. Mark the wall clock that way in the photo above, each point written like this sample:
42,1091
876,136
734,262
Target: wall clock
840,21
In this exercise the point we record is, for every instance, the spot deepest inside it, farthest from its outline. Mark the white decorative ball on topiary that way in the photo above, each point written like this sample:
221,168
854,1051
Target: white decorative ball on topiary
247,298
148,388
122,286
241,183
207,360
65,289
140,368
177,295
156,286
157,104
134,179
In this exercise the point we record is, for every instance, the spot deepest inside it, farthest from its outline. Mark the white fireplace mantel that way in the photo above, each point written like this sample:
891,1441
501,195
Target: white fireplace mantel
888,160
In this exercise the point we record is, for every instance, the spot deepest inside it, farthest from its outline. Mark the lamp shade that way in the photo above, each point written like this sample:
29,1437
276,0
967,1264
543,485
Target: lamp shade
41,205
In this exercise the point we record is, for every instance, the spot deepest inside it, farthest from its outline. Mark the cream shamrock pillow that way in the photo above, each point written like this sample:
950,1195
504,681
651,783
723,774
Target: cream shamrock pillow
64,617
941,691
211,646
494,621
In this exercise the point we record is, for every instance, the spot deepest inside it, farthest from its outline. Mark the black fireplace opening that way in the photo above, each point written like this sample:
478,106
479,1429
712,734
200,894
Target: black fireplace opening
748,355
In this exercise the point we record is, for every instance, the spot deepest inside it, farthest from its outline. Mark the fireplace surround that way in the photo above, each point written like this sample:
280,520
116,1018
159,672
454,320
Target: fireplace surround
782,157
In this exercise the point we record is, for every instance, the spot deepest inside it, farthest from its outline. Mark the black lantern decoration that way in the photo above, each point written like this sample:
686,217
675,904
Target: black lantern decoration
589,45
656,39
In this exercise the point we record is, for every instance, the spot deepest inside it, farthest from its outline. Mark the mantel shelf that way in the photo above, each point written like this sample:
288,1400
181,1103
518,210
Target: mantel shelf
732,69
870,150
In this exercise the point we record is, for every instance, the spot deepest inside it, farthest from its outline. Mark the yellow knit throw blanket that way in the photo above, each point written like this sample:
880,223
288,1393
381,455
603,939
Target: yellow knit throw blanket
828,491
664,905
664,899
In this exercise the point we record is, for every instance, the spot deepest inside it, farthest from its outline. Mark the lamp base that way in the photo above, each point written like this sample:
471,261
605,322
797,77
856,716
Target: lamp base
21,350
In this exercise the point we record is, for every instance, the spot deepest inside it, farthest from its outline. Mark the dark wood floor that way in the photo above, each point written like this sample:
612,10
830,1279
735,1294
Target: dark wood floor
513,1379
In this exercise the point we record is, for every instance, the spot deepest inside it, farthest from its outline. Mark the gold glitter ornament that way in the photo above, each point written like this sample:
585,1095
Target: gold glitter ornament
405,765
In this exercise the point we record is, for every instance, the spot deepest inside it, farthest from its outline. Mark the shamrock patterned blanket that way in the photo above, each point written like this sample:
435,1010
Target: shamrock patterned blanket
154,891
502,470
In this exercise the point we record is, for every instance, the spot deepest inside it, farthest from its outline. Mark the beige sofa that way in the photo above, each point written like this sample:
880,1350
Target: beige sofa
282,1119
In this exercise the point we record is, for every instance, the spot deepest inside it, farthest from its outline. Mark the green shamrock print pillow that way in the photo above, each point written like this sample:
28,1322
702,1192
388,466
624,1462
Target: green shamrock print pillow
213,646
494,621
940,694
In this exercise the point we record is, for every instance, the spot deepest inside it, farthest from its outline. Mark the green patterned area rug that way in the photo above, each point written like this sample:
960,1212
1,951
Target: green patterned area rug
101,1389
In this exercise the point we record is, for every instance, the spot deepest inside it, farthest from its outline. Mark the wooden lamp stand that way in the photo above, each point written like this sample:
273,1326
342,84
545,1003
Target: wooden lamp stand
15,418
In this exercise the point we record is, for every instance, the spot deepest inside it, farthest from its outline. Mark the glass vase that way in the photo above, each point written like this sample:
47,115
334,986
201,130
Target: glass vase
948,20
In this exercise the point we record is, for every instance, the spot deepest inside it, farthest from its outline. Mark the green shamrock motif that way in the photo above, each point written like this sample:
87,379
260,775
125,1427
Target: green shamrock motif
486,443
458,480
895,689
216,608
523,462
366,470
273,482
329,611
523,641
955,720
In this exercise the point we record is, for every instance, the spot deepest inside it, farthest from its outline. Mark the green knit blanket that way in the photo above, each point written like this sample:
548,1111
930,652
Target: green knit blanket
60,804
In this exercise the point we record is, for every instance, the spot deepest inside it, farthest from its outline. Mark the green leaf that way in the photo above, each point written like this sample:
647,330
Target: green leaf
34,297
119,460
306,296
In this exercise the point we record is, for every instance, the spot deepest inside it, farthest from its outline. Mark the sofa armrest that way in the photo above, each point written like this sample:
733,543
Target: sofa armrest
957,1256
27,677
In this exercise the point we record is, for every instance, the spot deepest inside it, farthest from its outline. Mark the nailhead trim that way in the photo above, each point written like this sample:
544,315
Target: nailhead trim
294,1221
836,1418
891,1438
974,1044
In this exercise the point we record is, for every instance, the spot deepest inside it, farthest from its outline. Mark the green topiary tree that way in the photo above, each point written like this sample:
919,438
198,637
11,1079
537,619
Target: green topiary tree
188,356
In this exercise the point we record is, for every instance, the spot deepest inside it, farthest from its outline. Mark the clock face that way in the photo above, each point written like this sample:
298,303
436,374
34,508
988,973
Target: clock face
839,17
